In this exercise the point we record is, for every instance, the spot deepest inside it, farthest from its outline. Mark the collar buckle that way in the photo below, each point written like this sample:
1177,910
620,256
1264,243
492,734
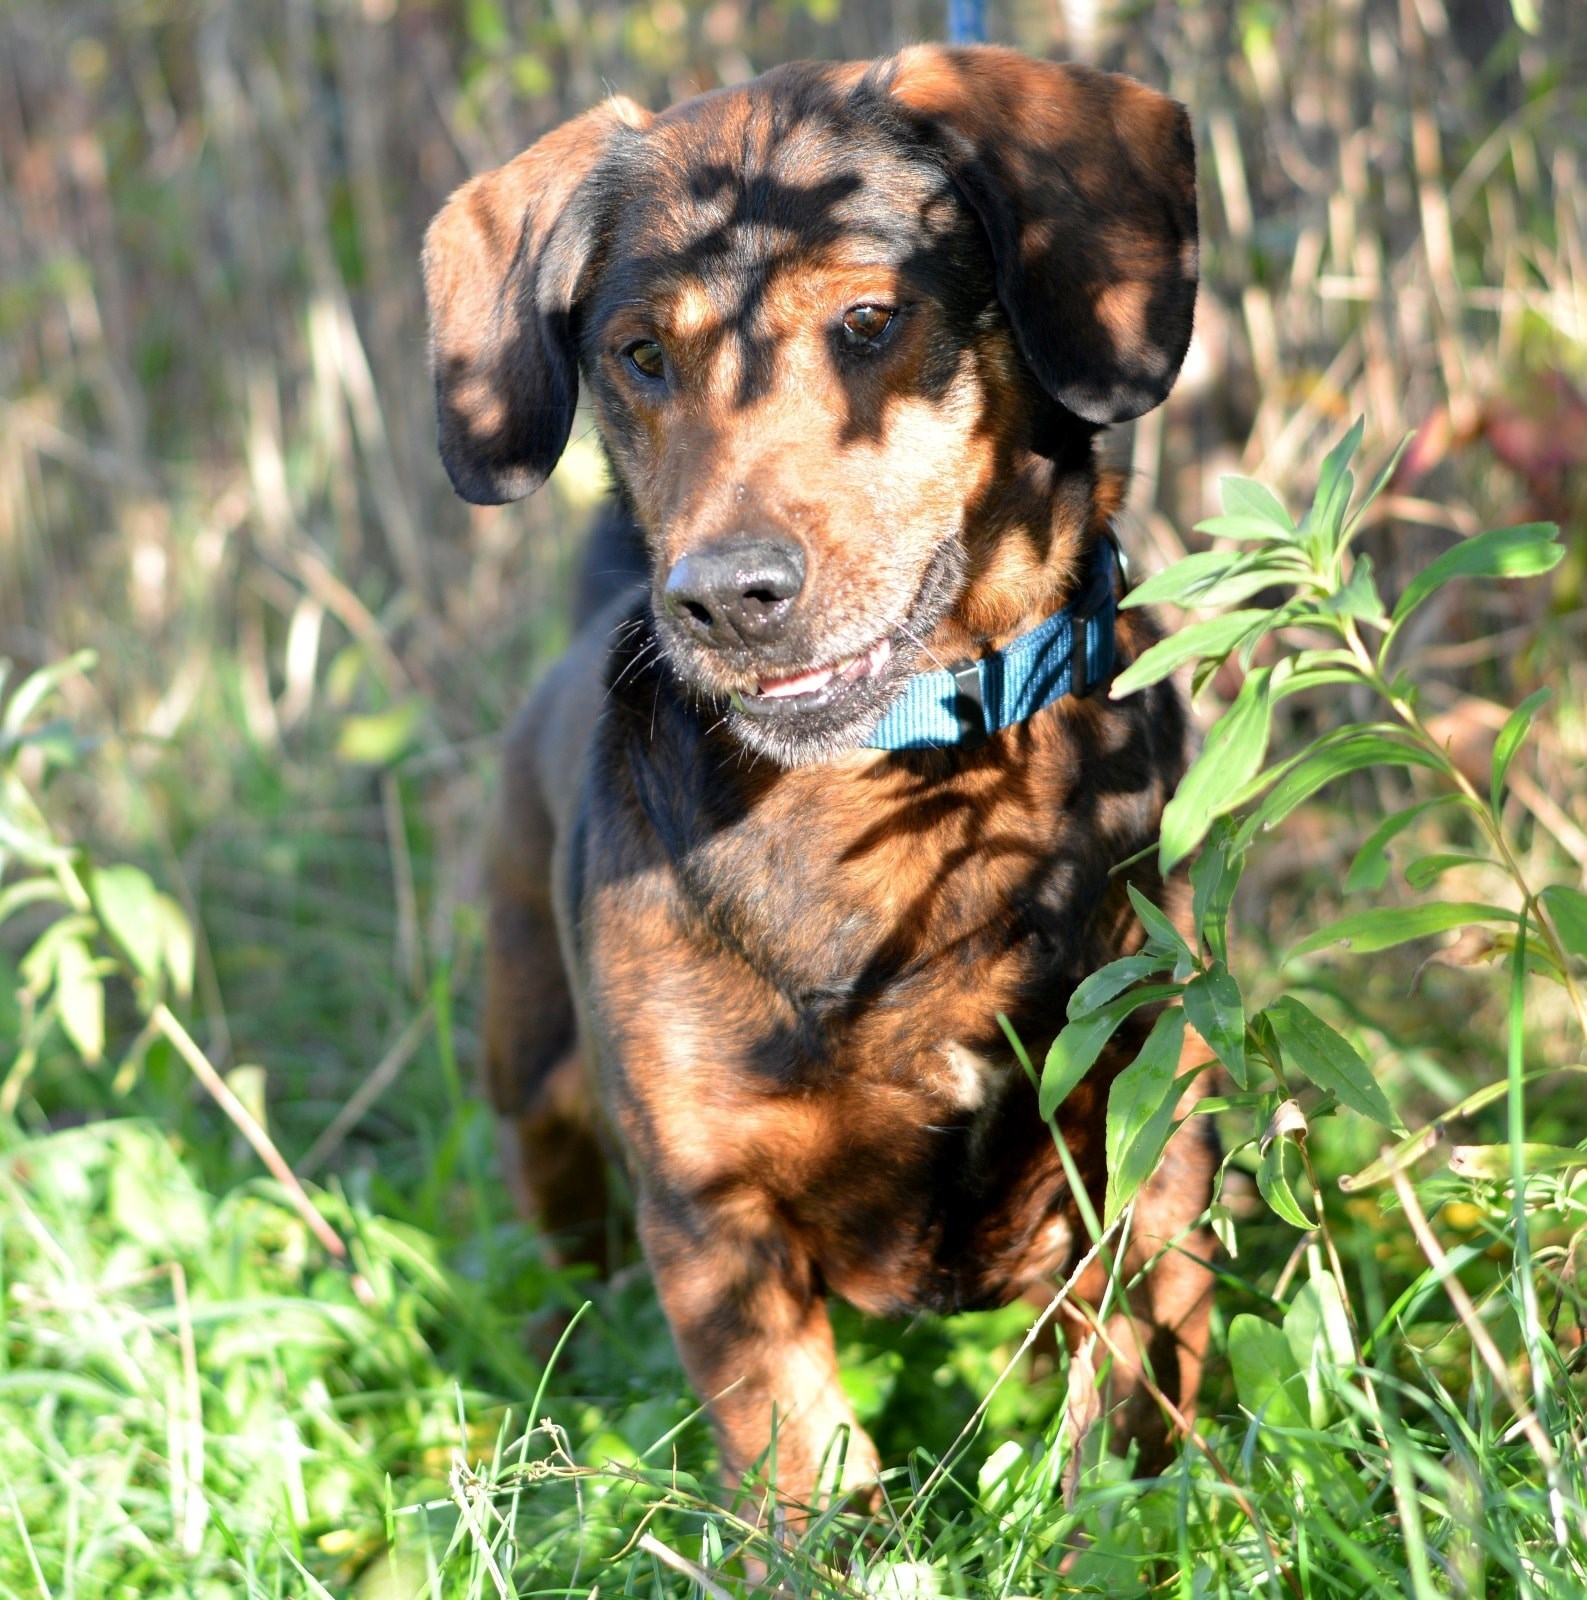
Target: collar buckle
1121,558
969,703
1092,604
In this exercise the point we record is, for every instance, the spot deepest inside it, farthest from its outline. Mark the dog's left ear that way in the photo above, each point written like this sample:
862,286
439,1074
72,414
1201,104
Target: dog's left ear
502,264
1086,185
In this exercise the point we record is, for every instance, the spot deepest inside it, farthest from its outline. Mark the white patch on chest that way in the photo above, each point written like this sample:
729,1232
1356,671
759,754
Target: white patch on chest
968,1078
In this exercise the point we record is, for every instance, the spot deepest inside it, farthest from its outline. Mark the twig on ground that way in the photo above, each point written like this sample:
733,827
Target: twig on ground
669,1557
1481,1339
382,1076
242,1119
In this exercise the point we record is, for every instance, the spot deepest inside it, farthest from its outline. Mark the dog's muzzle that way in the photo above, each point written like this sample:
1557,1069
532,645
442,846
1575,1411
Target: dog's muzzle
737,592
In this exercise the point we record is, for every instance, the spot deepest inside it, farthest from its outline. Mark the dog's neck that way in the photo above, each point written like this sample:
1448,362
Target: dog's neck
1070,652
1029,541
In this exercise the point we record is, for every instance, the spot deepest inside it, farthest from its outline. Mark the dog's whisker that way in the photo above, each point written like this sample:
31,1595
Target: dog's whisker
631,668
921,645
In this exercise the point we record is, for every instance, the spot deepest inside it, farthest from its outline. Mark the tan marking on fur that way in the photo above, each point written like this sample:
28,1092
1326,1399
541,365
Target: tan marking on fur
1121,309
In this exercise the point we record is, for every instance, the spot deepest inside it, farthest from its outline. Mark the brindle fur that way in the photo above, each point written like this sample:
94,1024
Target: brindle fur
783,956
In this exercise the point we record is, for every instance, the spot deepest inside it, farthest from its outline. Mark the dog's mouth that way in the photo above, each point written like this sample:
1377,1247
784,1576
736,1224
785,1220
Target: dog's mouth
819,686
800,712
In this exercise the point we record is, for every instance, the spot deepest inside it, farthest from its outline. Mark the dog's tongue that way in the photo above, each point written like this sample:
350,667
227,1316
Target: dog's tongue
805,683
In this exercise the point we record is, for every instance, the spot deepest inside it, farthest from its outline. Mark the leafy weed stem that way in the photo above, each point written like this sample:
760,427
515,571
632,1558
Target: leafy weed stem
1531,907
1276,1564
1336,1267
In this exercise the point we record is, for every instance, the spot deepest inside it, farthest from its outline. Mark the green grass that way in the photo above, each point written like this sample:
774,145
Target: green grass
195,1402
306,648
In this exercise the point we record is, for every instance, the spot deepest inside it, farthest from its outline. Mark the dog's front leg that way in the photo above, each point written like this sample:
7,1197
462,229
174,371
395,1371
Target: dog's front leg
750,1321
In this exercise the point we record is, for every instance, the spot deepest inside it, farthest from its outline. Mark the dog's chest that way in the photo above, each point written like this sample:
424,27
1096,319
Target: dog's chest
933,902
912,1165
801,981
819,1022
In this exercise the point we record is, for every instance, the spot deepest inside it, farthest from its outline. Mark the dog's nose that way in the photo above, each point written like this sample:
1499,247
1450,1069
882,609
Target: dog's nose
736,592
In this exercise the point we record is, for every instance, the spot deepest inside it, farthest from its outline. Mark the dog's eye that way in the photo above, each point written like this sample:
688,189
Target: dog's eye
863,325
648,358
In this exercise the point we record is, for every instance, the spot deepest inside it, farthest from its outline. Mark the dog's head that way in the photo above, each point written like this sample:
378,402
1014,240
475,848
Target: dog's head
832,323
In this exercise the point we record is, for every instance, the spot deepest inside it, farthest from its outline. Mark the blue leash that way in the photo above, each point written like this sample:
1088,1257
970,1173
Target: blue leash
1070,653
966,21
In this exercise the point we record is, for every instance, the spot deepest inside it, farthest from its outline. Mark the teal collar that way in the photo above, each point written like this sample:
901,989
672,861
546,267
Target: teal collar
1071,652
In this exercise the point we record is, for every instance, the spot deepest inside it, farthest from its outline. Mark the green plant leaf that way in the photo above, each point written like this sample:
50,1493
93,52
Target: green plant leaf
1317,1326
82,998
1416,1145
1220,577
1350,750
1161,934
1524,551
1075,1049
128,906
1370,931
1325,521
1274,1186
1245,528
1318,1319
1251,579
1214,876
1221,1220
1495,1162
1359,596
1428,869
1328,1059
382,737
1141,1107
1185,578
1230,757
29,892
1335,462
1567,910
1213,638
1245,497
1511,737
34,688
1213,1005
36,850
176,944
1304,678
1381,482
1267,1381
38,965
1000,1473
1370,868
1114,979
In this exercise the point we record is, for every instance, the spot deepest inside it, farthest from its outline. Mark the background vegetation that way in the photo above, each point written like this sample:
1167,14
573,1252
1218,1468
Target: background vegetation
217,473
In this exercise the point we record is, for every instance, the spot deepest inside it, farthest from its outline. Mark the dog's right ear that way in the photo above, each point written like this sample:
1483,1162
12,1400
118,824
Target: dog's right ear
502,264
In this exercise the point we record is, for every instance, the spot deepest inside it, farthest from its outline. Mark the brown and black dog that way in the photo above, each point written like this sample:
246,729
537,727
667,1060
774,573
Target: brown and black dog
849,332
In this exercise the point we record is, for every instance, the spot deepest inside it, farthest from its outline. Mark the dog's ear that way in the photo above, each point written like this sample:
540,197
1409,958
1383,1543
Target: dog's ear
502,264
1086,185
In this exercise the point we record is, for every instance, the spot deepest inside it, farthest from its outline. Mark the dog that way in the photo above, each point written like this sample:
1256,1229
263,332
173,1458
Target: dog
799,817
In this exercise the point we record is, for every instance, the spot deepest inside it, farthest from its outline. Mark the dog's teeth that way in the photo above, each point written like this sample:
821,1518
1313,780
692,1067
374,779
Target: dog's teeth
805,683
866,665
